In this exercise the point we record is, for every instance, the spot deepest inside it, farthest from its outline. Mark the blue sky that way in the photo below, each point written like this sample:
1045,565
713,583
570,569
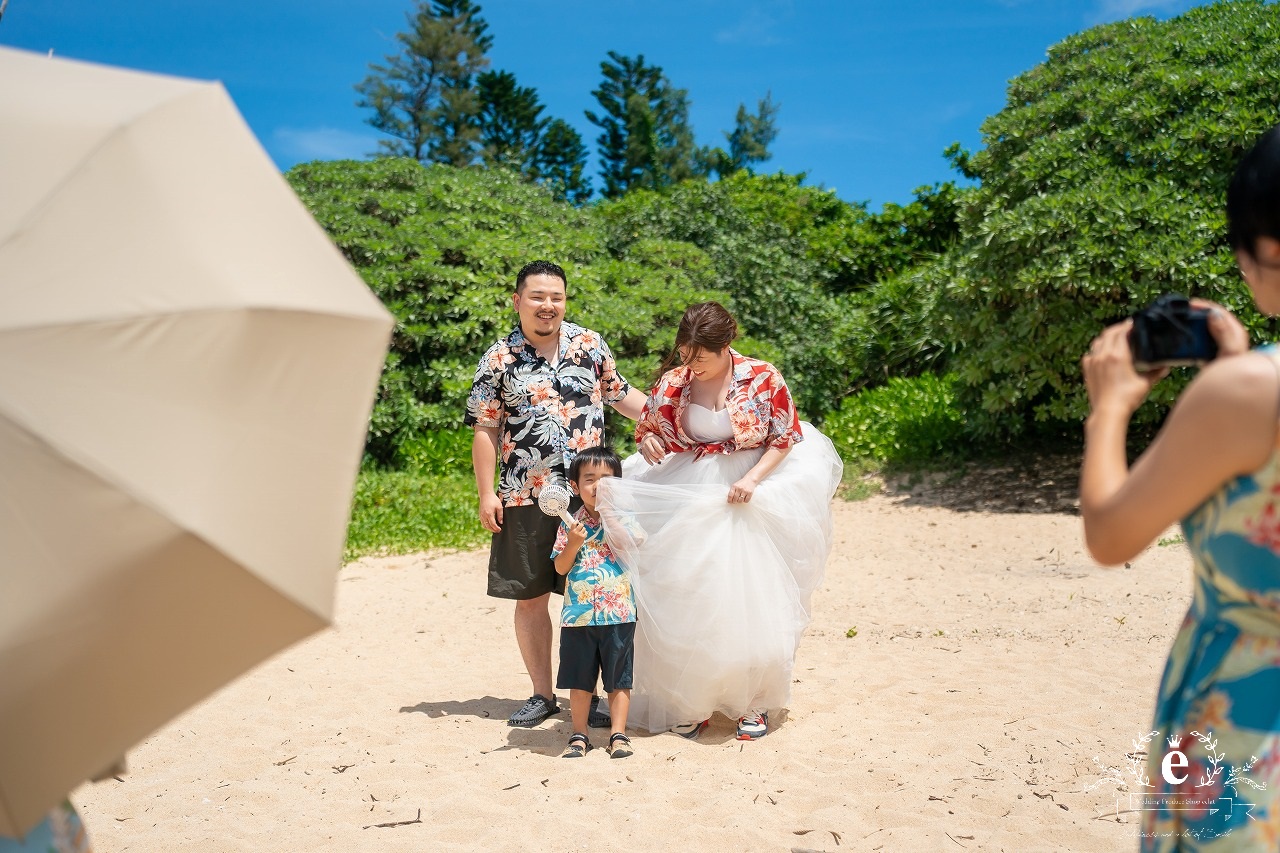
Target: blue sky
871,91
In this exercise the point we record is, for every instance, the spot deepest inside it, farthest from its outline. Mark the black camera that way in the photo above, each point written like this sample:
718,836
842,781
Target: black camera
1170,332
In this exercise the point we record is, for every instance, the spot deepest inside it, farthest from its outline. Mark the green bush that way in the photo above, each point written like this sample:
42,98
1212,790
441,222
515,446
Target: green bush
910,421
440,247
1102,186
440,452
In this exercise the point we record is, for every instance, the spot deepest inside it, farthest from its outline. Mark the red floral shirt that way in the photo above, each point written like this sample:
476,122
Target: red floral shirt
760,409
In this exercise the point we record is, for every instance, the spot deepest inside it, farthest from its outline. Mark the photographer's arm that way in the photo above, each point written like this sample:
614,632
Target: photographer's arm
1222,426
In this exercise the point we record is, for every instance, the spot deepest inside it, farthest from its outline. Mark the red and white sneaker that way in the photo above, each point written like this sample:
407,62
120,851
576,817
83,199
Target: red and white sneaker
755,724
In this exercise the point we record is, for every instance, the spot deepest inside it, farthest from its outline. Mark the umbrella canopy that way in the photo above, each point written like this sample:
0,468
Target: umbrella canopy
186,369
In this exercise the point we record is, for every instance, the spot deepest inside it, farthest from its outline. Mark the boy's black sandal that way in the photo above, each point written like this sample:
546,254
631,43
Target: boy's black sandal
620,746
578,746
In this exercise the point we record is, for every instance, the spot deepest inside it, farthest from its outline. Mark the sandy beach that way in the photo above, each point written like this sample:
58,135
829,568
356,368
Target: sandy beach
966,664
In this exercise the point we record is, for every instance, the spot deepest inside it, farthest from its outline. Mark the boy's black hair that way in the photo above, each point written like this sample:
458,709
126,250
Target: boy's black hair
595,456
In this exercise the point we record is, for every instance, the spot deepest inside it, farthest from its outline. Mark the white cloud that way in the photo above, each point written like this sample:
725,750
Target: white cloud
757,28
321,143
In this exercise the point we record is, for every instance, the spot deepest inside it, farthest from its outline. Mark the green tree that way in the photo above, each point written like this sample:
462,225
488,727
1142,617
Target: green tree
423,96
749,140
509,119
560,161
645,138
1102,186
900,237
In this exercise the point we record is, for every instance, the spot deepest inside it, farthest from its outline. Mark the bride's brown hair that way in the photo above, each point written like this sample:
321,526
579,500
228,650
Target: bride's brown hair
704,326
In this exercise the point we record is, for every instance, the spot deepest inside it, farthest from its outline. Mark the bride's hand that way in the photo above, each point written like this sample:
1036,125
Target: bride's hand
741,491
652,450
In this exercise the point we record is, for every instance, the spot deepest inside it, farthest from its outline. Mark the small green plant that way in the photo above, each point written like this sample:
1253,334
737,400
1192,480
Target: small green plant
851,633
859,481
1171,540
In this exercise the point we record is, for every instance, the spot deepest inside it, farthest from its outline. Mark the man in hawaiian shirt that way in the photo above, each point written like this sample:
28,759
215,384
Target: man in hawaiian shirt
537,400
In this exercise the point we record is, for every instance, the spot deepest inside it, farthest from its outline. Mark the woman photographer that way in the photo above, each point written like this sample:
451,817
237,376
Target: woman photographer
1216,466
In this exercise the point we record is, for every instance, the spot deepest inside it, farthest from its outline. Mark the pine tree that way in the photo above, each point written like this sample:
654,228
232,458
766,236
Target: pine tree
753,134
423,96
560,161
645,137
509,121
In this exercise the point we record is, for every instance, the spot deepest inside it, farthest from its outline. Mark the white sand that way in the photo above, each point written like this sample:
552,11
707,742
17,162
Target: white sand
992,661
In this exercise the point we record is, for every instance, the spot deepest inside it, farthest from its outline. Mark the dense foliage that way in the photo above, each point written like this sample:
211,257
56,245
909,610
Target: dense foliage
1099,186
441,247
1102,186
912,331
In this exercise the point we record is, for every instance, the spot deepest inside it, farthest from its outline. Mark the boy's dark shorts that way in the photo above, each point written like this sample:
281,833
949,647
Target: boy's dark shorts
520,564
591,651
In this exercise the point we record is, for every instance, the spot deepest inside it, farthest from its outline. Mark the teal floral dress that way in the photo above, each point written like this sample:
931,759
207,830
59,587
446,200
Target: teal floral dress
1219,697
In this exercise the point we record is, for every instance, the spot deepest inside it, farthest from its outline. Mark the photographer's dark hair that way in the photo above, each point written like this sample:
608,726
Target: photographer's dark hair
704,326
1253,196
595,456
539,268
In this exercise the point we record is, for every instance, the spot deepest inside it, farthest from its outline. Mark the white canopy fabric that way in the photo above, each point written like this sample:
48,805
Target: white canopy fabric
187,365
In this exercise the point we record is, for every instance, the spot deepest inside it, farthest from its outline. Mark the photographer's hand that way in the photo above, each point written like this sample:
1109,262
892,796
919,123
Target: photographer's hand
1114,386
1226,329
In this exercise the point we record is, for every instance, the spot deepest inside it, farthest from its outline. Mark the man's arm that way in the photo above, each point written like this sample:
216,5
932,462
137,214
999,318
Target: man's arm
631,405
484,462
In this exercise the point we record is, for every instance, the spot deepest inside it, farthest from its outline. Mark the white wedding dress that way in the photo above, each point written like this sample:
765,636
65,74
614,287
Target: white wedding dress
722,590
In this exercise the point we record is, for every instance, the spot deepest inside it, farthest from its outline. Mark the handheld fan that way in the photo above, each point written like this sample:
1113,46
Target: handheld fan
554,500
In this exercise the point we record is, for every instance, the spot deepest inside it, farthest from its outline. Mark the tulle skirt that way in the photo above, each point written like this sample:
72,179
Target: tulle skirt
722,590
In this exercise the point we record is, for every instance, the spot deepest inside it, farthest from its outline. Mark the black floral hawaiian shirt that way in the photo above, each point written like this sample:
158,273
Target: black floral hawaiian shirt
546,414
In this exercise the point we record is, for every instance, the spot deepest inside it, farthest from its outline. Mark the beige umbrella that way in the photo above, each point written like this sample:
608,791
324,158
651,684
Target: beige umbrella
186,370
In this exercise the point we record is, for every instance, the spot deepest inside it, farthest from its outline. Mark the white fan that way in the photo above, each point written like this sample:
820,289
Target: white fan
554,500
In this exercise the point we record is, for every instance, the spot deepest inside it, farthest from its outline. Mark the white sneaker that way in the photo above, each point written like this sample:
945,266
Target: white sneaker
754,724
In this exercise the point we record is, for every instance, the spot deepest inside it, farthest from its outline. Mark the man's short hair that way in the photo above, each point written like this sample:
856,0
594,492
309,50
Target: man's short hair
539,268
595,456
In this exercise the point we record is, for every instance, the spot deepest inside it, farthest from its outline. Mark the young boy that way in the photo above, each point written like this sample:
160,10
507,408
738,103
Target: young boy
598,619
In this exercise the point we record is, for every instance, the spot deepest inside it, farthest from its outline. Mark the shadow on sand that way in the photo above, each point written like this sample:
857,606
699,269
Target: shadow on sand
1018,483
550,736
486,707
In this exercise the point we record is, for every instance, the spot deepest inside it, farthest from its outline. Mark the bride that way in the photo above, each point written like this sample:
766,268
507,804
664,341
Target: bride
724,521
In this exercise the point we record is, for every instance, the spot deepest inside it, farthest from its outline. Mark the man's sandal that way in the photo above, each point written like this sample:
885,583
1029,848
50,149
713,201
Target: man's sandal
578,746
620,746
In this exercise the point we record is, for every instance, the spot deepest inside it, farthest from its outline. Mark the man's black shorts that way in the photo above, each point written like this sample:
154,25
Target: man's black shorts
520,564
591,651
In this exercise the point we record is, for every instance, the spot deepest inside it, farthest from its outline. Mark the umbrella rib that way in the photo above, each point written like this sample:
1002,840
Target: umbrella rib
74,172
106,479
